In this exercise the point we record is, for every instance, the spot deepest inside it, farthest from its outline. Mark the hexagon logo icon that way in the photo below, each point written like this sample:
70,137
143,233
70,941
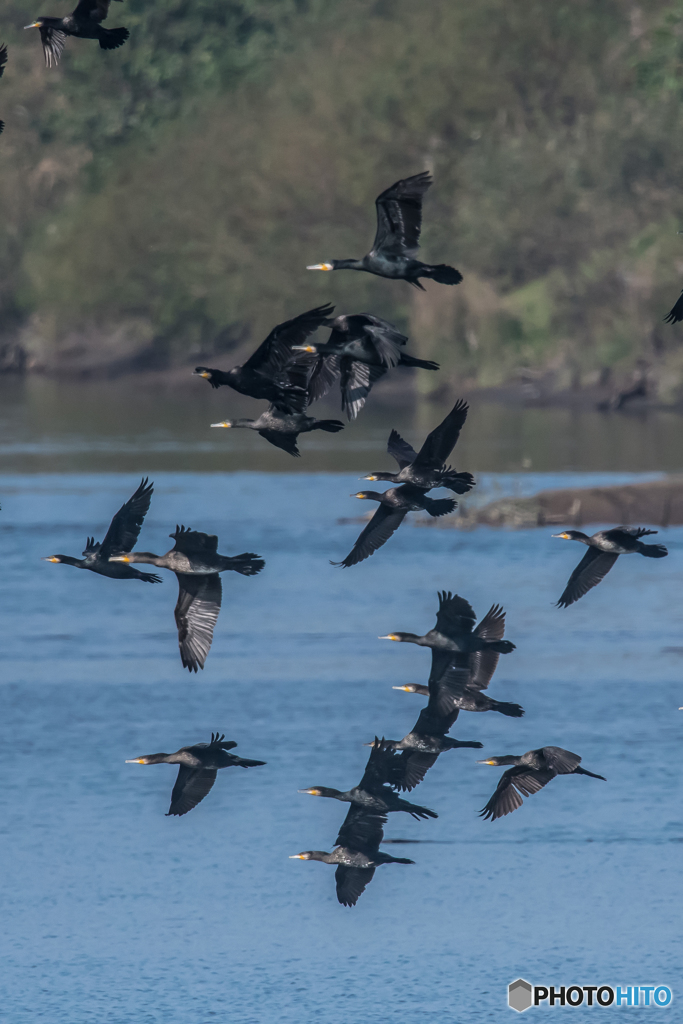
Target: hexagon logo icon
519,995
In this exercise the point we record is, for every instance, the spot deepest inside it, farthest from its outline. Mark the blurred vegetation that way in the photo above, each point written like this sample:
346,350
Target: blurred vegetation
163,200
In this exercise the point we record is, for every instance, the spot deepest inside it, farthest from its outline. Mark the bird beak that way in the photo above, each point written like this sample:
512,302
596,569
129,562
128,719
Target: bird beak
137,760
34,24
297,856
371,477
202,373
562,536
119,558
359,495
52,558
313,792
225,423
389,636
305,348
406,688
486,762
320,266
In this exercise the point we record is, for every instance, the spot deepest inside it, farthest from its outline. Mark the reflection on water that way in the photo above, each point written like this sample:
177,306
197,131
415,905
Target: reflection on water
142,425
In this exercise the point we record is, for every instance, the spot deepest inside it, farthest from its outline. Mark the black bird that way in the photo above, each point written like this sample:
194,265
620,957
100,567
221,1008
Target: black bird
3,61
282,427
122,535
85,23
361,348
604,548
374,791
532,772
393,508
356,853
195,560
264,375
675,315
199,765
461,685
427,468
399,219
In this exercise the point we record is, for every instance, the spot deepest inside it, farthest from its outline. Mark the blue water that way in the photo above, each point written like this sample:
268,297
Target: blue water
114,913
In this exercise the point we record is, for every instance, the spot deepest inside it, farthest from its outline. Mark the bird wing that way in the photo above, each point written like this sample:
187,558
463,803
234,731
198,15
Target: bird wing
445,690
383,524
95,10
400,450
399,215
3,58
592,568
514,781
53,40
415,767
192,542
676,314
442,440
432,722
191,786
323,374
199,602
563,762
455,615
125,527
385,339
357,380
381,767
362,830
287,442
483,663
351,883
276,351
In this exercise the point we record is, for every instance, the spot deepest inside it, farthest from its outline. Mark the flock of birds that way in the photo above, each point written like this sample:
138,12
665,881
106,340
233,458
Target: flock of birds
290,371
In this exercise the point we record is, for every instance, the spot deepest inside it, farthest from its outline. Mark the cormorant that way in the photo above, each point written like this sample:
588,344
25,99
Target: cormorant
282,428
361,348
399,219
374,791
604,548
356,853
3,61
393,508
532,772
195,560
85,23
427,468
199,765
461,683
122,534
675,315
264,375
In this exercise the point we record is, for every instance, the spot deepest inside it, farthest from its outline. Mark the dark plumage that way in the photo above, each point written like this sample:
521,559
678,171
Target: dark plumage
675,315
604,548
199,765
360,349
3,61
122,535
427,468
532,772
394,506
195,560
461,684
266,374
282,428
85,23
374,791
399,220
356,853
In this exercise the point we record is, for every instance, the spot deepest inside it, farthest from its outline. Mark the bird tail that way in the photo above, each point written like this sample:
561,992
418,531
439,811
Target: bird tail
653,550
441,273
440,506
331,426
583,771
112,38
459,483
248,564
506,708
500,646
423,364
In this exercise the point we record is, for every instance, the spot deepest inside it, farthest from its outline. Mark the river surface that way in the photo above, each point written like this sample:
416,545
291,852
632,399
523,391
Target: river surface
114,913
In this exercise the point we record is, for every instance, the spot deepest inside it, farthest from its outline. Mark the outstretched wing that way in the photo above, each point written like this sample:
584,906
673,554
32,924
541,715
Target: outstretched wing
415,767
383,524
53,43
455,615
592,568
3,58
276,351
362,830
192,542
483,663
400,450
125,527
399,215
442,440
386,340
676,314
357,380
381,768
94,10
196,613
564,762
445,690
351,883
515,781
323,374
191,786
287,442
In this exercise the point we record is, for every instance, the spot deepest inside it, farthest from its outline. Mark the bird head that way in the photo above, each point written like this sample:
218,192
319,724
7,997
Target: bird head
224,423
408,688
38,23
53,558
305,348
499,761
321,266
568,535
398,637
202,371
306,855
320,791
119,558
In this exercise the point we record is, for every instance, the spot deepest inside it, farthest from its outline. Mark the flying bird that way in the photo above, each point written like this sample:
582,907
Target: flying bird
399,220
3,61
531,772
121,536
195,560
198,767
84,23
604,548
